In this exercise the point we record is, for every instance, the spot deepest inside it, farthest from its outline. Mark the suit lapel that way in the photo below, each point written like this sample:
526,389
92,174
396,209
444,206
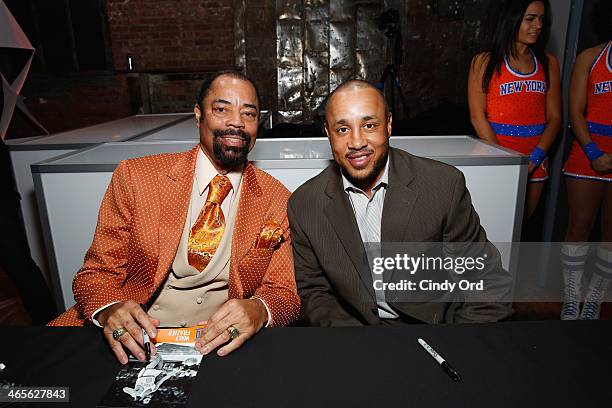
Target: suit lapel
340,215
399,200
174,192
397,209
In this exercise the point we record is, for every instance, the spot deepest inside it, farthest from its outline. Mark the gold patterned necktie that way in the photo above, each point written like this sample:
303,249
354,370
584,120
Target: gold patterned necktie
206,233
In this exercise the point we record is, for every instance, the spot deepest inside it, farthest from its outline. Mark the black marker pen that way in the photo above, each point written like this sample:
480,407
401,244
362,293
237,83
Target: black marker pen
146,341
147,344
450,371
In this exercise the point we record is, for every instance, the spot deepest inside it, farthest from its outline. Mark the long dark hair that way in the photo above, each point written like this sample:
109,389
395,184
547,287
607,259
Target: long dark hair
602,20
503,37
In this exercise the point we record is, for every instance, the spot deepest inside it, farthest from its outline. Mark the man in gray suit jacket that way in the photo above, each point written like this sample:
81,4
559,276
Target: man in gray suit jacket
374,193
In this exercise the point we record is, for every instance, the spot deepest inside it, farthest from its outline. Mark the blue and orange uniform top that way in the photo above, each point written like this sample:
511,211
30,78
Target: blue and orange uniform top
598,116
516,110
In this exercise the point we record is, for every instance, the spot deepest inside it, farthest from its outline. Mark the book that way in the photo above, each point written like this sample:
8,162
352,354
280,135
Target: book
179,335
165,380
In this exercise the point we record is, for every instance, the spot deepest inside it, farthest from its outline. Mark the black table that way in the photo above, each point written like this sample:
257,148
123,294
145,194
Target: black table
547,363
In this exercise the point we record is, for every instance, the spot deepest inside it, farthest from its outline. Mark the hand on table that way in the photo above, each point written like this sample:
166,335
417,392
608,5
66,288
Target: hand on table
248,316
133,318
603,164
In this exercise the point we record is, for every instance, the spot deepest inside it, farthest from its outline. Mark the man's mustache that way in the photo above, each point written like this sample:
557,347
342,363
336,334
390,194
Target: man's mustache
356,153
233,132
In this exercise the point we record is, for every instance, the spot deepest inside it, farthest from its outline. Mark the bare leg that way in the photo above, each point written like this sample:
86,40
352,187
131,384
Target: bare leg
534,191
602,274
606,216
584,199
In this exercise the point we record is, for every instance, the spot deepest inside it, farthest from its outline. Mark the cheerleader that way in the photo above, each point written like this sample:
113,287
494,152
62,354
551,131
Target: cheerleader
588,178
513,89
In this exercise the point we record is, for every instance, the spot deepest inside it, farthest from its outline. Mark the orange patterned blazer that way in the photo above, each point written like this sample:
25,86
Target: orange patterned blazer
140,223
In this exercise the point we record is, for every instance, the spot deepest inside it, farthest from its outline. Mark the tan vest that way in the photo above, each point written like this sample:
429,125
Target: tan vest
189,296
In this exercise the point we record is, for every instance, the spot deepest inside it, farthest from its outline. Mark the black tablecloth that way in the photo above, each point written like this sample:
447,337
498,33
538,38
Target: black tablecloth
548,363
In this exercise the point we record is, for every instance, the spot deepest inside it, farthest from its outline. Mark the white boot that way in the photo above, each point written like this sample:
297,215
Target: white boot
598,285
594,297
573,258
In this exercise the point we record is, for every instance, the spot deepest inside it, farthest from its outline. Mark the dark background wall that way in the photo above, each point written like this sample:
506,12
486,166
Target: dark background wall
440,39
183,35
175,43
439,45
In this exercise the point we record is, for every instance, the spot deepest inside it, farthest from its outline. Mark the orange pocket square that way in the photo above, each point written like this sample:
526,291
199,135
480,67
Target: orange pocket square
271,235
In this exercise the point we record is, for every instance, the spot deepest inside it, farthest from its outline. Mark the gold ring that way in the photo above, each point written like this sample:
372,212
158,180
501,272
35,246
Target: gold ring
233,332
119,332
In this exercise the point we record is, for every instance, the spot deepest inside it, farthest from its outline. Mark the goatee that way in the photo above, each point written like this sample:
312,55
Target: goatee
363,181
230,156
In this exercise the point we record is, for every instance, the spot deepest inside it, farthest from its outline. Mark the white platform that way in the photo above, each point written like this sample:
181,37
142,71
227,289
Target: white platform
70,188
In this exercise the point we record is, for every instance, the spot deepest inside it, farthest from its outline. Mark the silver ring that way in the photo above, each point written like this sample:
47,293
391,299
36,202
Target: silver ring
117,333
233,332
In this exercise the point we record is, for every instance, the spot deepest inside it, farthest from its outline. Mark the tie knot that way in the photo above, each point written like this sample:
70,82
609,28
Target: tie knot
219,188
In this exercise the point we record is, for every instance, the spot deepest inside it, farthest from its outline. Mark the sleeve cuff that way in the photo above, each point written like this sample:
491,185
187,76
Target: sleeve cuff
97,323
269,322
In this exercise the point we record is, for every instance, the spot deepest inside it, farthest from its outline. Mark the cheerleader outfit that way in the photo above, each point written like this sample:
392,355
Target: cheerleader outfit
516,110
599,119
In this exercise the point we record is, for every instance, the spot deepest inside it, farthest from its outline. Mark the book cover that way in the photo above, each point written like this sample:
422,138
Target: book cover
164,381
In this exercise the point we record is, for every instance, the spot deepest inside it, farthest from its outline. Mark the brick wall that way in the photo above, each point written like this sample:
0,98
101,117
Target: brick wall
438,49
188,35
163,36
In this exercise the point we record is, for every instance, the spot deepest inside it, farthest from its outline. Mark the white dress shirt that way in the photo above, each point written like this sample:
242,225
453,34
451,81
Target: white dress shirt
368,214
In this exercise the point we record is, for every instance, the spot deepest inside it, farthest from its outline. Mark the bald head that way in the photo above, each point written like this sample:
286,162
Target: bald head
353,85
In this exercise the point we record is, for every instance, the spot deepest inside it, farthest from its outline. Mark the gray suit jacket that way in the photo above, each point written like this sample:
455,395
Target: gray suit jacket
426,201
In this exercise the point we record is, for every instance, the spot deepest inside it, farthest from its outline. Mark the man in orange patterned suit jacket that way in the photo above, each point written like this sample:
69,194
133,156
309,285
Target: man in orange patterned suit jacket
139,255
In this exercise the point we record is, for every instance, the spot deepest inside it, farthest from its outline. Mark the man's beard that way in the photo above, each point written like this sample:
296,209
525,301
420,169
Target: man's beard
368,179
230,156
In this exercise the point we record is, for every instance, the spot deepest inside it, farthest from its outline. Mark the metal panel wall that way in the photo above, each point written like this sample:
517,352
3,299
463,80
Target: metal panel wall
320,44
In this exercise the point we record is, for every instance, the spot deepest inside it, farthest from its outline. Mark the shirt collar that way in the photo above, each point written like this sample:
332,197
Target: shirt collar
205,171
382,182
